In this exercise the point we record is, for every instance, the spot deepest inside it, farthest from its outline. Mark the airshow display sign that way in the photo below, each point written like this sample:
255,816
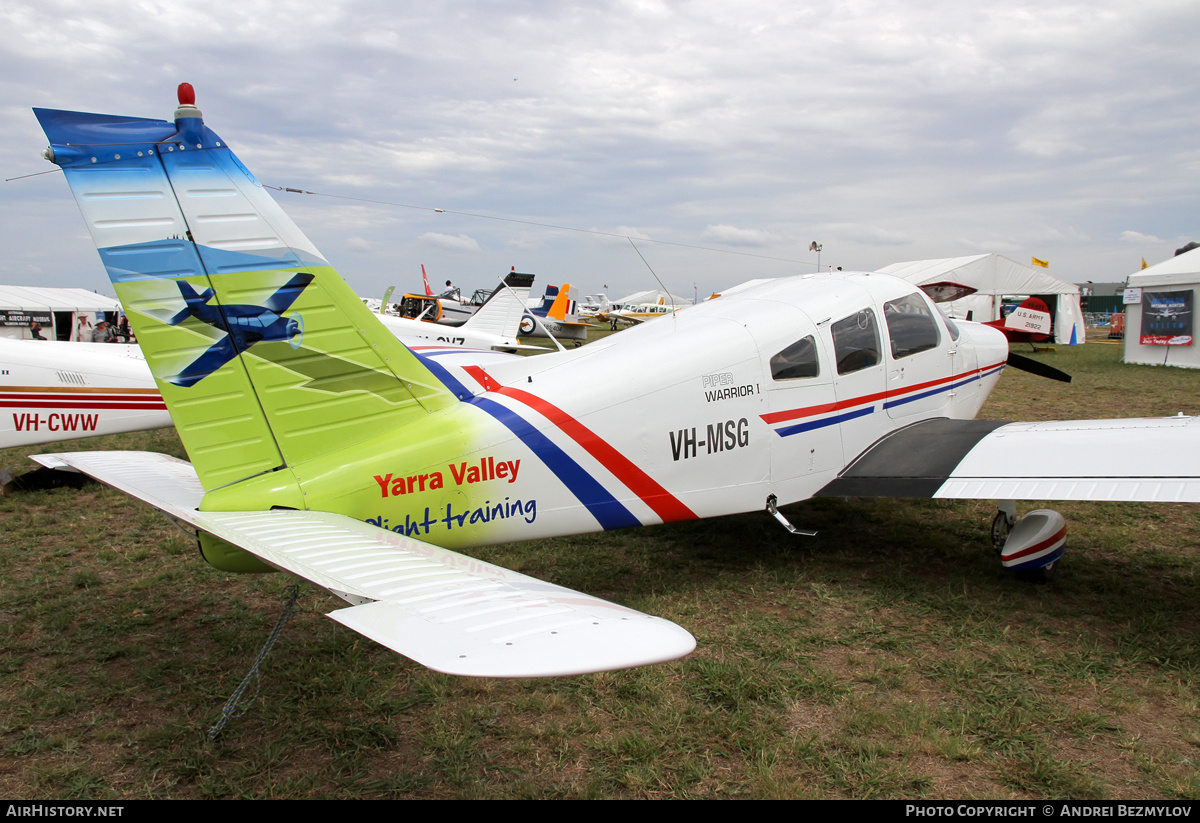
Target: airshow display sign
1166,318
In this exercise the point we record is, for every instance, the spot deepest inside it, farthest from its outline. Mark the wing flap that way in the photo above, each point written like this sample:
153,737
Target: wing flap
447,611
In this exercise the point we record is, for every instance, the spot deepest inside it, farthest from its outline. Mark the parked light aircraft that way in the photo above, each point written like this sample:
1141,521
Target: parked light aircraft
363,466
52,391
553,318
594,304
453,310
494,325
631,313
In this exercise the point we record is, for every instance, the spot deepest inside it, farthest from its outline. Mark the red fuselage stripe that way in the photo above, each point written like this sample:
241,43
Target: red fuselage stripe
661,501
65,399
824,408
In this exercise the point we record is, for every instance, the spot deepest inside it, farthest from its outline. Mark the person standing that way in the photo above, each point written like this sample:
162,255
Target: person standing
102,333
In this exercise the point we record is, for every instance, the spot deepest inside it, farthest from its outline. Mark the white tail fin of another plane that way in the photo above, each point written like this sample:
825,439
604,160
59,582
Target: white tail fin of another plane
501,314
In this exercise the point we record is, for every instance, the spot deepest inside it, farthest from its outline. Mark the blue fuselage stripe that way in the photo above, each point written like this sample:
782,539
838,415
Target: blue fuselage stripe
939,390
607,510
441,373
822,423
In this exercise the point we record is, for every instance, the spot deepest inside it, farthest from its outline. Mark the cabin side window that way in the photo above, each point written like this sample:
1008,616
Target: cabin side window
797,360
856,342
911,326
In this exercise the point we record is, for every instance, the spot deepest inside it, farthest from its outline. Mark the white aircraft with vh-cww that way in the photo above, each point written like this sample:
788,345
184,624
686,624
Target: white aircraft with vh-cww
52,391
356,463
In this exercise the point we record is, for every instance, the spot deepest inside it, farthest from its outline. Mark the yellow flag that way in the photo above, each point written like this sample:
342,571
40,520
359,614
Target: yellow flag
1044,264
1144,266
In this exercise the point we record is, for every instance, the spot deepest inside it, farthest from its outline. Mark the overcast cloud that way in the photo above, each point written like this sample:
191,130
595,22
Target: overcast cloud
887,132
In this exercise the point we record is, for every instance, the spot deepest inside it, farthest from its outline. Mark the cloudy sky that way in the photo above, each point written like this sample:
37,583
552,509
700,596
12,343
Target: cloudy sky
722,137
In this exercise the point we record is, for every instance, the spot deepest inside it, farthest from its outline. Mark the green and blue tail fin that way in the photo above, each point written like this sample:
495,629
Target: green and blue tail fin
264,355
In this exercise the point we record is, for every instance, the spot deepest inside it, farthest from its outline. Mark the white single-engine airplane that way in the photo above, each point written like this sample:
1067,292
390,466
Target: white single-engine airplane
552,317
52,391
494,325
358,464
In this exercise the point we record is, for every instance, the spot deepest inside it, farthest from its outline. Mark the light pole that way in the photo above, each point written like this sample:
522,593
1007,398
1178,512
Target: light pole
815,246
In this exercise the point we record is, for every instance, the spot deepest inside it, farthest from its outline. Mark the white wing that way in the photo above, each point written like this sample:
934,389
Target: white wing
1148,459
445,610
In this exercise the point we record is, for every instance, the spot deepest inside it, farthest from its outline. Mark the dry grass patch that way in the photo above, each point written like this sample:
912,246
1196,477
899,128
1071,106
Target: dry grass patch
888,657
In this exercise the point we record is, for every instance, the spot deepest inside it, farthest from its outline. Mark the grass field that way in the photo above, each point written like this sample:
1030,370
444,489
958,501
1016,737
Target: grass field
890,656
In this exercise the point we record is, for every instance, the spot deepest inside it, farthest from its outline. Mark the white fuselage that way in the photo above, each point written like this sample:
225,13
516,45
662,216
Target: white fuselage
421,333
687,418
51,391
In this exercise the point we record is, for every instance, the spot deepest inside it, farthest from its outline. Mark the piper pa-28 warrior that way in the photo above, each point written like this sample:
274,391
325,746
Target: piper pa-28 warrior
354,462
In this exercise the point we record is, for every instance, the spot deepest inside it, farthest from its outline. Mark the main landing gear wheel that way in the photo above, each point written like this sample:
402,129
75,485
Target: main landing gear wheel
1000,529
1038,577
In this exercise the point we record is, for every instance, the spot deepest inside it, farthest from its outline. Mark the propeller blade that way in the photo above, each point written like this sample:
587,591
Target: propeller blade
1032,366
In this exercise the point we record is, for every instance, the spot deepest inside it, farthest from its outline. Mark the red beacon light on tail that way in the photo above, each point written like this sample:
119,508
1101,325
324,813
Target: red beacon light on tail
190,122
187,103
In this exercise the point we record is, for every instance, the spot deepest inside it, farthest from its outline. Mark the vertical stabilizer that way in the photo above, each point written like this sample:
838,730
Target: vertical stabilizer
547,301
264,355
501,314
558,311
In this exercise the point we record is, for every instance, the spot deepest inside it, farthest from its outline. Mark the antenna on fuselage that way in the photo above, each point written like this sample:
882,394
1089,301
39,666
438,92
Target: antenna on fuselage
660,283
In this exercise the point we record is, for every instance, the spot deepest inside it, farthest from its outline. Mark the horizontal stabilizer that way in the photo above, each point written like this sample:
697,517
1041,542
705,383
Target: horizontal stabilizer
519,631
444,610
166,483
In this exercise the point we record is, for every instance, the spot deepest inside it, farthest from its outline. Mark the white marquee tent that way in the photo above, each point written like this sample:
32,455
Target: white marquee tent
653,296
56,309
1179,276
995,277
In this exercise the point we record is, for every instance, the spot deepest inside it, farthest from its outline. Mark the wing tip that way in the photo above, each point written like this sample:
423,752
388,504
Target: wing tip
583,646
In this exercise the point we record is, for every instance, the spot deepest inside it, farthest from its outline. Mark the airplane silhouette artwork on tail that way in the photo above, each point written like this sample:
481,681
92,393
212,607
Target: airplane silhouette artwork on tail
243,325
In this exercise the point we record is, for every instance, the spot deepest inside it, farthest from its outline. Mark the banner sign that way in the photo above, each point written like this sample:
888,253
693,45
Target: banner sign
17,317
1166,318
